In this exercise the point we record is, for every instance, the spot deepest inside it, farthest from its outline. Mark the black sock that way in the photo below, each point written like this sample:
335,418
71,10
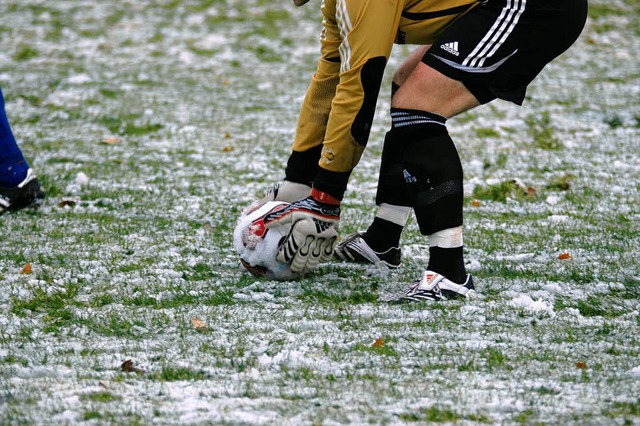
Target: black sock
448,262
382,235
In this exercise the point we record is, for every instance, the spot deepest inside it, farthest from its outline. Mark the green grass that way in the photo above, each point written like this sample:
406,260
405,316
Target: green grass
542,132
125,267
501,191
102,397
25,53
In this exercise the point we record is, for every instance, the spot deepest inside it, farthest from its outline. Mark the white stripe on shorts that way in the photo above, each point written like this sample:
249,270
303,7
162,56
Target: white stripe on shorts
403,118
497,34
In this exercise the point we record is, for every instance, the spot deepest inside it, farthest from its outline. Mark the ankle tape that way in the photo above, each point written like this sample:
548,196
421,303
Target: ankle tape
447,238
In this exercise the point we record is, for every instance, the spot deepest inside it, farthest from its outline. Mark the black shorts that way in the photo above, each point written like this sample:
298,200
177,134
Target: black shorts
500,46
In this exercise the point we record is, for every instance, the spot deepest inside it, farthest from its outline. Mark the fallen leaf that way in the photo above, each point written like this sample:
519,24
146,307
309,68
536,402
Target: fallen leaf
198,324
228,148
531,191
111,140
378,343
27,269
67,203
227,135
128,367
565,256
476,203
581,365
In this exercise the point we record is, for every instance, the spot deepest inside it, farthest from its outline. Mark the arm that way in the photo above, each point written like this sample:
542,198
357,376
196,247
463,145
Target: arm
338,111
362,32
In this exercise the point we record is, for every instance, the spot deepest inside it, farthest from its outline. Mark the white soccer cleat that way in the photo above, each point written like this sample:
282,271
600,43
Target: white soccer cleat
355,249
434,287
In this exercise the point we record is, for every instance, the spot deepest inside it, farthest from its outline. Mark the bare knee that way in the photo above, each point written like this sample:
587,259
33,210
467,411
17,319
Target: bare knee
406,68
426,89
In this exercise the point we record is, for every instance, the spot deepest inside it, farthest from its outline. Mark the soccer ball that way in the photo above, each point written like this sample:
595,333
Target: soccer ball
258,246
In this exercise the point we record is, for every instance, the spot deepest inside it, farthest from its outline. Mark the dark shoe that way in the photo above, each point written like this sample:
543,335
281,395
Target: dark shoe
29,192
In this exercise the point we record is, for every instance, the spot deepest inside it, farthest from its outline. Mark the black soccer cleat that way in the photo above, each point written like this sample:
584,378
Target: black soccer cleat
355,249
29,192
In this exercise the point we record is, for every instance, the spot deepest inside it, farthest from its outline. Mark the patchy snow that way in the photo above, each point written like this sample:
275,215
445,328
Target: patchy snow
528,303
202,98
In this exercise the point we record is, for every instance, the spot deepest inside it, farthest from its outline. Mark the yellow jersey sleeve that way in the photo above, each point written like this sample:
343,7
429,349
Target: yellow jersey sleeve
356,43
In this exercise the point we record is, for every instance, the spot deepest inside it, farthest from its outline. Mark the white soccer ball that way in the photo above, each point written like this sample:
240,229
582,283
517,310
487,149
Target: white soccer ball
258,246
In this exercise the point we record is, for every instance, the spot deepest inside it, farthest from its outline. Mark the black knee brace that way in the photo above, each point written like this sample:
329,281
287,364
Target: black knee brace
421,169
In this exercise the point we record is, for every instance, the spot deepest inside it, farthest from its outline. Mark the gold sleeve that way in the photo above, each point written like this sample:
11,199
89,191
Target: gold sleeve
356,43
355,33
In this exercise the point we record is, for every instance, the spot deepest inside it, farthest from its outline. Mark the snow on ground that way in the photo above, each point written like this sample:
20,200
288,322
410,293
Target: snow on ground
152,124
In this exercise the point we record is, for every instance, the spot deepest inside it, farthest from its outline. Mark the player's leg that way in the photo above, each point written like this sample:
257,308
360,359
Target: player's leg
18,184
13,166
494,51
421,167
380,242
420,88
518,40
427,89
406,68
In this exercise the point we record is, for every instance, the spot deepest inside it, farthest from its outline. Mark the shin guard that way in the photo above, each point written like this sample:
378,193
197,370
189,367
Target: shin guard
421,169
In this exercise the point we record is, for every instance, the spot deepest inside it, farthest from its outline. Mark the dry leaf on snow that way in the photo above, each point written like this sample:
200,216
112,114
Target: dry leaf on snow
66,203
198,324
111,141
128,367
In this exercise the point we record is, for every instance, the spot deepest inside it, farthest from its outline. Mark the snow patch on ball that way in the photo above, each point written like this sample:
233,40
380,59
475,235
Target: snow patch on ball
258,247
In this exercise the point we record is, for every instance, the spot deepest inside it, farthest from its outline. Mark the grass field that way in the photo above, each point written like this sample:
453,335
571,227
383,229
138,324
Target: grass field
122,300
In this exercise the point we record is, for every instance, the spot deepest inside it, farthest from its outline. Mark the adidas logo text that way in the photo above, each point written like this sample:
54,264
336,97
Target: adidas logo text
451,48
408,178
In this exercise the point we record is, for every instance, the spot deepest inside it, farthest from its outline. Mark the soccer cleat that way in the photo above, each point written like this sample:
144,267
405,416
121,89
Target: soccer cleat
28,192
451,290
355,249
434,287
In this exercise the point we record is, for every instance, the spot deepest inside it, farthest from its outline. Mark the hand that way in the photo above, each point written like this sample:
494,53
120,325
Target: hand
313,232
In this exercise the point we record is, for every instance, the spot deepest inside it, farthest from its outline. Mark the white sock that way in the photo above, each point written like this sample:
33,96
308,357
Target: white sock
395,214
292,191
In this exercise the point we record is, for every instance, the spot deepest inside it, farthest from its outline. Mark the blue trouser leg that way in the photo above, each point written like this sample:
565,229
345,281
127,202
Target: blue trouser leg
13,166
